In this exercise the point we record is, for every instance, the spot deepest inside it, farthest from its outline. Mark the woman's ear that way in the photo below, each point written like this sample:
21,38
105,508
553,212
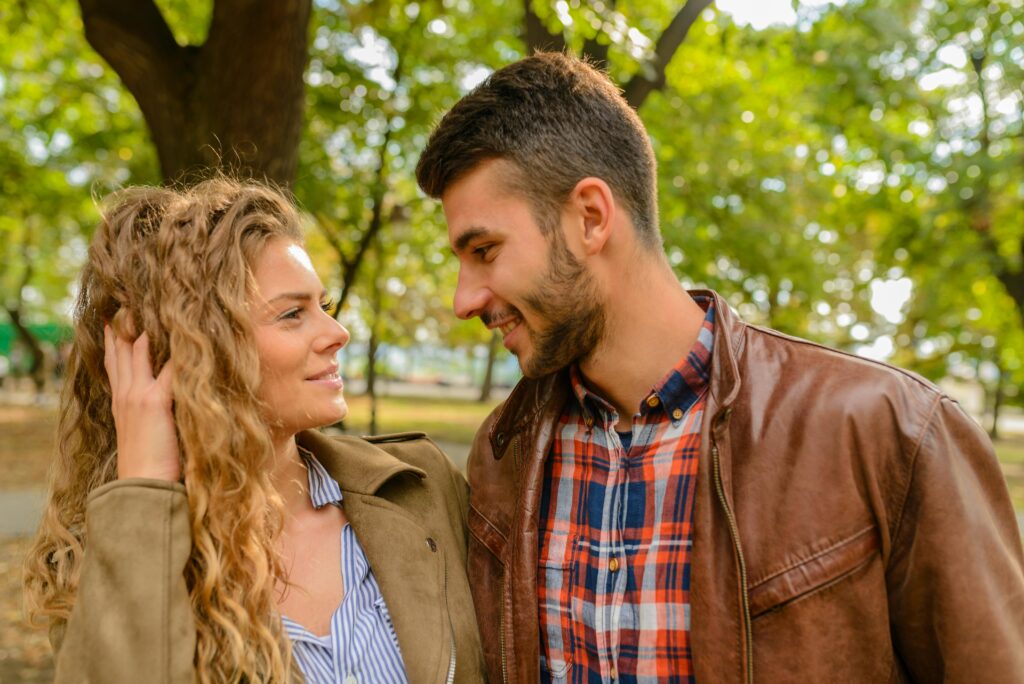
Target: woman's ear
595,206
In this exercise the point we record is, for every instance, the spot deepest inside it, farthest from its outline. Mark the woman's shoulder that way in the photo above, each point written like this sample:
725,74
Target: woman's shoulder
365,462
414,448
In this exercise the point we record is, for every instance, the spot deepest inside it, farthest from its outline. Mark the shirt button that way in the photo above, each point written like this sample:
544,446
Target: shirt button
677,413
613,565
351,679
614,673
652,400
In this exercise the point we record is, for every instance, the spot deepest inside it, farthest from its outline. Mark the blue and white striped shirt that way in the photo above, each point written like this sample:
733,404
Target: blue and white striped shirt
362,645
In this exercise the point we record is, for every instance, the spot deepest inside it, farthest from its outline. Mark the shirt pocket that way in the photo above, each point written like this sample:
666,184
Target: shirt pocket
557,571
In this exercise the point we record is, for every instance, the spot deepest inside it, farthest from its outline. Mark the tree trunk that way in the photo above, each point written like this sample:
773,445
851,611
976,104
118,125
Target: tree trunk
492,353
536,35
37,369
371,376
979,207
375,322
997,402
236,102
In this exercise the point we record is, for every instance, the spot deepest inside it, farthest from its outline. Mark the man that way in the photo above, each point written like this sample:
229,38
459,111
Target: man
671,494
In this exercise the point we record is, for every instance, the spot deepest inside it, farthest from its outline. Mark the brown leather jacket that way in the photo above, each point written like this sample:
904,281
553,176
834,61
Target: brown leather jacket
851,524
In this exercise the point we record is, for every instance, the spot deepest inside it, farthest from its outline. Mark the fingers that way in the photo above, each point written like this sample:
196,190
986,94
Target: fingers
110,357
129,363
142,367
123,358
166,378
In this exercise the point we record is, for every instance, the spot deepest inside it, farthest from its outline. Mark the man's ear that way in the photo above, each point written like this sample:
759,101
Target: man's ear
595,206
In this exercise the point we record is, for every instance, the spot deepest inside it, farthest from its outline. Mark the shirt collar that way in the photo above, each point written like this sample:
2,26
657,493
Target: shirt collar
323,489
676,392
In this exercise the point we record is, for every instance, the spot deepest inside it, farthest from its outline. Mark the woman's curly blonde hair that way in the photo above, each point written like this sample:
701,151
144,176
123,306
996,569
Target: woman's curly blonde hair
178,264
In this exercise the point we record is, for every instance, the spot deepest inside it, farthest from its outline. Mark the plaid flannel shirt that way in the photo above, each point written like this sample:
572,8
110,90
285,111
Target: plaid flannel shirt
615,532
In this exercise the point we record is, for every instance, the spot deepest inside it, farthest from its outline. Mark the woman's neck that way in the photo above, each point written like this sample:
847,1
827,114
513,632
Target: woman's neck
290,476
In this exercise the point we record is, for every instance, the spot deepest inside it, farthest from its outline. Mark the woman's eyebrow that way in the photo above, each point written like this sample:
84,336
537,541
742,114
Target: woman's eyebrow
301,296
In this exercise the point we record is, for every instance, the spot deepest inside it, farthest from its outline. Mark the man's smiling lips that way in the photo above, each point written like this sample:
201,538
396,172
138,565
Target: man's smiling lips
506,324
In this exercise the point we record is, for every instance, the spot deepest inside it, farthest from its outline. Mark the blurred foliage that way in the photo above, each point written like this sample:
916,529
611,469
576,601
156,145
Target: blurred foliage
856,178
66,128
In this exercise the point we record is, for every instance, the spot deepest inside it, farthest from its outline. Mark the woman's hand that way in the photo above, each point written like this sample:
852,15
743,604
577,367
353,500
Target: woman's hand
147,445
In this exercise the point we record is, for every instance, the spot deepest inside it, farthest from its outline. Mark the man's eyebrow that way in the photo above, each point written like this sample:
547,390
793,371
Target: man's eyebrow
467,237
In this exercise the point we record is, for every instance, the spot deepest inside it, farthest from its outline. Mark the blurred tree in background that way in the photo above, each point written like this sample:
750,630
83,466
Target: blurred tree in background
855,176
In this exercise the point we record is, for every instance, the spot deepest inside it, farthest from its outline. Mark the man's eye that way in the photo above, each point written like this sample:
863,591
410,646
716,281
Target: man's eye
482,251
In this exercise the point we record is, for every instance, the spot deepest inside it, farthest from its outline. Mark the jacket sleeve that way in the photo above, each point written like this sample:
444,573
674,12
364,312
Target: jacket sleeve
956,576
132,619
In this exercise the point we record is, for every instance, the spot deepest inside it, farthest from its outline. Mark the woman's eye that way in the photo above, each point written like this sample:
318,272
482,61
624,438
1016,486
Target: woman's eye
291,314
327,306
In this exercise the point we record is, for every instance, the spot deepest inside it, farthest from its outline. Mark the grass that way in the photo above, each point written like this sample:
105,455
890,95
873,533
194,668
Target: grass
1010,452
446,420
27,435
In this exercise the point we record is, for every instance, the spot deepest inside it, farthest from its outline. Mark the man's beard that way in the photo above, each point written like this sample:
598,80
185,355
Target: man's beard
566,298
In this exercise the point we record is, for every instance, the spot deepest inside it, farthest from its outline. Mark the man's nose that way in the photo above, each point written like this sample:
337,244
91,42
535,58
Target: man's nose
471,297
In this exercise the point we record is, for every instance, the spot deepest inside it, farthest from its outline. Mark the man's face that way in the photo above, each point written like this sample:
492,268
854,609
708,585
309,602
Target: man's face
514,278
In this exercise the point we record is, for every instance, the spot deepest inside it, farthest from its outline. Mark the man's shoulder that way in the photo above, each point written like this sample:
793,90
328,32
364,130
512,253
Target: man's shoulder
803,360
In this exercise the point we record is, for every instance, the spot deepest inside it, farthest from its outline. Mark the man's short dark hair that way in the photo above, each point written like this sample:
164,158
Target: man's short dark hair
558,120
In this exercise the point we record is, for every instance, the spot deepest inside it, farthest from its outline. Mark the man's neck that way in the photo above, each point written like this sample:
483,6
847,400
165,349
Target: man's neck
650,326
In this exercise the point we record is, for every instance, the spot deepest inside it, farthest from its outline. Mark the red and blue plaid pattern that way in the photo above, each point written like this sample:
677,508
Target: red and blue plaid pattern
615,532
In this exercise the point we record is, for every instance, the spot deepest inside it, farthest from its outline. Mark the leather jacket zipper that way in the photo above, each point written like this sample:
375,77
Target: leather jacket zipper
501,629
734,531
504,587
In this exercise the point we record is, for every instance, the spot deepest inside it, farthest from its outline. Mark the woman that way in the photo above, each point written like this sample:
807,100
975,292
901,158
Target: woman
198,526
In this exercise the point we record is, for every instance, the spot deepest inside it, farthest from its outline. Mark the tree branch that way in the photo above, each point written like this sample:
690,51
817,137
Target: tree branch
350,267
252,65
595,49
536,35
134,39
651,76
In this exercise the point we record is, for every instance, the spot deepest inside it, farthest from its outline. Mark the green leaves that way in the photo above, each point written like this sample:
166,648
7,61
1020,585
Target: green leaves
804,170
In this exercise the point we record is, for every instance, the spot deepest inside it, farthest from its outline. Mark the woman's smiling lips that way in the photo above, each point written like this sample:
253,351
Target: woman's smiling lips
328,378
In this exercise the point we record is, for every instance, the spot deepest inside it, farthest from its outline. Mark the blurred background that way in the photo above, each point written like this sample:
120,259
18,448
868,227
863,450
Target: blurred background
849,172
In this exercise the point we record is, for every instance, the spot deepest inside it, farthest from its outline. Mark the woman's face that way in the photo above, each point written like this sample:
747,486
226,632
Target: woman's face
297,341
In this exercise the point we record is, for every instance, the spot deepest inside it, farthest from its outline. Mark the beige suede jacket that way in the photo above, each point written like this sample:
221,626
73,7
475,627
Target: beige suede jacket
851,525
407,504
